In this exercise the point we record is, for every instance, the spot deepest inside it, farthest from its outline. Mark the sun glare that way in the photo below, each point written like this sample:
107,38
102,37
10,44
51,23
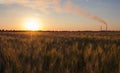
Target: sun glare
32,24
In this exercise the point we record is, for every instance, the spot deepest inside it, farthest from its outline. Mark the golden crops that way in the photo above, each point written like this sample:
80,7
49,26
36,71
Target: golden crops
59,52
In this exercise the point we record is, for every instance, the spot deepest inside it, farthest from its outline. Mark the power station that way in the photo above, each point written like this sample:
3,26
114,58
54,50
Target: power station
106,28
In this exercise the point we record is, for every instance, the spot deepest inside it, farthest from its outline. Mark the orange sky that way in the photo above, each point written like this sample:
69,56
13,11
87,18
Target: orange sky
60,14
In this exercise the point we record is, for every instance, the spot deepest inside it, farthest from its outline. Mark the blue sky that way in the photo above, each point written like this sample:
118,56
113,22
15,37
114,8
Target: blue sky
61,14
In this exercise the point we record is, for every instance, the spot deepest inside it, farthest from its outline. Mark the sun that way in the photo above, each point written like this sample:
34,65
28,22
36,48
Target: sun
32,25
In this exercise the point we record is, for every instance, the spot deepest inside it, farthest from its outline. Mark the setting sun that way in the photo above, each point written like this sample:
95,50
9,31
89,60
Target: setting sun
32,24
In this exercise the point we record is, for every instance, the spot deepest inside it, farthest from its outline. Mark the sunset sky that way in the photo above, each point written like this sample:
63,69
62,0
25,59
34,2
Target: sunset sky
60,14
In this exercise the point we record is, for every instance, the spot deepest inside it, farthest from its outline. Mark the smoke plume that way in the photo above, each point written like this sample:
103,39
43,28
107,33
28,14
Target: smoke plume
46,6
69,7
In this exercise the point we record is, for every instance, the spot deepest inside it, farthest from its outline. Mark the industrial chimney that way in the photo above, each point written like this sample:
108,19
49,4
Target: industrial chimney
106,27
101,28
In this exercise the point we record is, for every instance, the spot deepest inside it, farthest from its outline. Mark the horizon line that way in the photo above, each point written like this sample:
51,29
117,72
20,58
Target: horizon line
2,30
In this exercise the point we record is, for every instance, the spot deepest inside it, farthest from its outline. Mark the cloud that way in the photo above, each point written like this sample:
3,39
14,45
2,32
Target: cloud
46,6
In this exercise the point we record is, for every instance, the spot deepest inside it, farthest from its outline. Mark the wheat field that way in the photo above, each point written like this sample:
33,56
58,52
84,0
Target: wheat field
59,52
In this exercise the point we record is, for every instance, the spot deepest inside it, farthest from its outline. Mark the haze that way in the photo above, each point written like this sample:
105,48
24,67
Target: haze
60,14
